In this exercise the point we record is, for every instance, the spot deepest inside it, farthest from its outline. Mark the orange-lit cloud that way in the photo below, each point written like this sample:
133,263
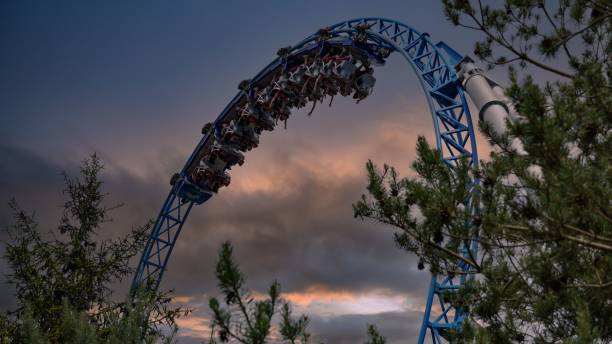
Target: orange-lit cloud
385,141
321,302
319,294
194,326
324,302
182,299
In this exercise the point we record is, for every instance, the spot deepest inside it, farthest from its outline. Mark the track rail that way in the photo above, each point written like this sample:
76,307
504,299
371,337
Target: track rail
434,64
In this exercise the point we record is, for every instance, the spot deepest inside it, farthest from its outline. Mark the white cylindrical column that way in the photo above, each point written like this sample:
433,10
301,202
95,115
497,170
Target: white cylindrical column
493,106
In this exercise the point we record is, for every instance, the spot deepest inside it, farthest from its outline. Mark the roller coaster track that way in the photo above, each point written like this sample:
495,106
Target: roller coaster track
365,41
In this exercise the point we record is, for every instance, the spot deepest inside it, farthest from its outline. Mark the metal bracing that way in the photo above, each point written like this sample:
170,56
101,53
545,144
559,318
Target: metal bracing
163,237
435,66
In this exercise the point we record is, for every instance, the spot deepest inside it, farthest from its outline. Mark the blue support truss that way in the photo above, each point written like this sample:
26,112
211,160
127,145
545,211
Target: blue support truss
163,237
434,63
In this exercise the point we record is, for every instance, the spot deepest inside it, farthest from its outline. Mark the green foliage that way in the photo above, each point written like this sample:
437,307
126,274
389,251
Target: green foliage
523,31
394,200
28,331
75,327
293,330
544,219
244,319
63,279
374,337
7,328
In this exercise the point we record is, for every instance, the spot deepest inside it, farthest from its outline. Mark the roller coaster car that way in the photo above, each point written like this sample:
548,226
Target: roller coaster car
345,89
384,52
244,85
207,178
282,90
361,35
241,136
364,85
345,69
316,92
312,68
264,96
194,193
281,83
226,154
250,114
283,52
187,191
324,34
296,75
281,111
331,87
207,128
298,102
327,67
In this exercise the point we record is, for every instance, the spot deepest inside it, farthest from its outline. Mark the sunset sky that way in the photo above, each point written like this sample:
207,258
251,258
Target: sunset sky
134,81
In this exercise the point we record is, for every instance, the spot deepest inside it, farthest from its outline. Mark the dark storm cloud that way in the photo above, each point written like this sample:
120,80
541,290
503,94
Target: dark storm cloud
135,83
301,231
307,237
395,326
37,183
26,178
304,237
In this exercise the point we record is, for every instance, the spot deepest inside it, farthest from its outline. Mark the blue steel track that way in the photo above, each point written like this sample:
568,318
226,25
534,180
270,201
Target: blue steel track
434,63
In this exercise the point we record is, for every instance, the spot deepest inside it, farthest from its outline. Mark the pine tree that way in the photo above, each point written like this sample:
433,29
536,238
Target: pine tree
244,319
374,337
63,279
544,225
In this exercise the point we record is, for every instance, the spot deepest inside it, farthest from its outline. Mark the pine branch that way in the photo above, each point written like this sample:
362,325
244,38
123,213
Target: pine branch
594,23
523,56
586,242
454,255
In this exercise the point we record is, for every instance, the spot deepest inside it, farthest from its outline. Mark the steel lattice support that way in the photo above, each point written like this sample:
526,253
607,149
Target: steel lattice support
163,237
435,66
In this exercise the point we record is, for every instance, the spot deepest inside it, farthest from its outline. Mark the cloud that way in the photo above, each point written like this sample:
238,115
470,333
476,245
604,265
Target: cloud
397,327
287,212
26,179
323,302
195,327
336,315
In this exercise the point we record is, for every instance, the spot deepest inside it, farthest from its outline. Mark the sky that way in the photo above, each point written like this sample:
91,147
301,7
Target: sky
134,82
